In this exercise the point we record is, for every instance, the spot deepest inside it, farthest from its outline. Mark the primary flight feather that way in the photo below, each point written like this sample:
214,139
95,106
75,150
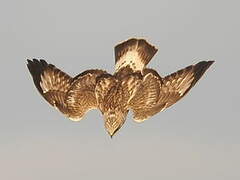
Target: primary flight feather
131,87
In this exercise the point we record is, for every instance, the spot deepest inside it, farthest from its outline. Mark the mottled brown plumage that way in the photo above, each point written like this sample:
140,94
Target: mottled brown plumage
132,86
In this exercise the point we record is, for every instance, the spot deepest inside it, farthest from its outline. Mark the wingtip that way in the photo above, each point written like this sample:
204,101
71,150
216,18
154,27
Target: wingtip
204,65
28,63
32,61
207,62
210,62
36,62
200,68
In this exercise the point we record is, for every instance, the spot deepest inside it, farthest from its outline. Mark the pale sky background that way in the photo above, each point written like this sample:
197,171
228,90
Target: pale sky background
197,138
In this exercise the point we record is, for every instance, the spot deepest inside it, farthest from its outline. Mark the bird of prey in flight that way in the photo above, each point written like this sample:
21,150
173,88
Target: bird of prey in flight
132,86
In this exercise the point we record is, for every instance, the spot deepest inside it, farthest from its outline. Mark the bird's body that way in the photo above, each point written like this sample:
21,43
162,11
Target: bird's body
131,87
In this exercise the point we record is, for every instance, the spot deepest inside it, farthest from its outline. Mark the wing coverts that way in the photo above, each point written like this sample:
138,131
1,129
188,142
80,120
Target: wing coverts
72,96
157,94
133,86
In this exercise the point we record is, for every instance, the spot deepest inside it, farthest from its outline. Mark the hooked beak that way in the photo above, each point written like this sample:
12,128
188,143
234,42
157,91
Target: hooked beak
113,122
112,132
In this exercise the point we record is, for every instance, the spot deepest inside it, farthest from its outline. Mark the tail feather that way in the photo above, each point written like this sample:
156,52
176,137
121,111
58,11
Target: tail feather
135,53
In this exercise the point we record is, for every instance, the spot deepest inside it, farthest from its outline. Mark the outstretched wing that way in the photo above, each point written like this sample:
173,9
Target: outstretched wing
72,96
52,83
172,88
81,95
135,53
146,96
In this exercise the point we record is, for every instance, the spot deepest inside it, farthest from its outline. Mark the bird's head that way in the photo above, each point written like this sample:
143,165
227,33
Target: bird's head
114,121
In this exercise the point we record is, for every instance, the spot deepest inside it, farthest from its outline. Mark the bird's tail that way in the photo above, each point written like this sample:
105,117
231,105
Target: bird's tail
134,53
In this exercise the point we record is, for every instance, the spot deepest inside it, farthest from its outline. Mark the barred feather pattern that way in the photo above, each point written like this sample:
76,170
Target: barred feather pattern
166,91
132,86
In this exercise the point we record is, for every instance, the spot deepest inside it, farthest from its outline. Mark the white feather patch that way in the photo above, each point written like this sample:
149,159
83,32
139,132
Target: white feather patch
132,59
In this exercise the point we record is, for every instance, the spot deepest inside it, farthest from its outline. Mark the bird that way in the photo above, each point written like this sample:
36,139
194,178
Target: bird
132,87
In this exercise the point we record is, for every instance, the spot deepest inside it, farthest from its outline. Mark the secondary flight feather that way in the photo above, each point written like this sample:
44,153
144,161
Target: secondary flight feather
133,86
